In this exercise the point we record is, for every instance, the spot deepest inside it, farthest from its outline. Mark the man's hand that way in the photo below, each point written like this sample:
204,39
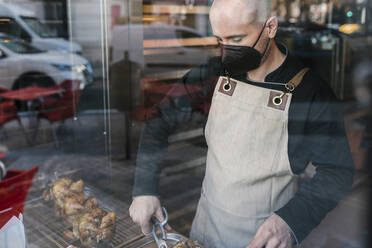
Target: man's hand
143,208
273,233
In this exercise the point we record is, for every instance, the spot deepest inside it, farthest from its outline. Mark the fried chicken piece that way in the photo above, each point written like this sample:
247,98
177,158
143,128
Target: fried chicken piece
91,203
75,226
107,228
94,216
97,215
87,230
77,186
193,244
91,224
188,244
67,234
180,245
59,191
81,197
47,196
109,220
58,210
72,207
64,182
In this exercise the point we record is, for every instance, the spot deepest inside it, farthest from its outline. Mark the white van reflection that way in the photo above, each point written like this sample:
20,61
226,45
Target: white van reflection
162,45
22,65
24,24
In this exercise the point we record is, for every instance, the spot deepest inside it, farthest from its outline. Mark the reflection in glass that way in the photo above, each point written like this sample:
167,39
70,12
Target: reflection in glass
18,46
38,27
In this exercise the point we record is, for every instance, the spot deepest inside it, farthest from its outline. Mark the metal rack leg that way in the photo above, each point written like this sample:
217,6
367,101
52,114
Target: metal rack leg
128,124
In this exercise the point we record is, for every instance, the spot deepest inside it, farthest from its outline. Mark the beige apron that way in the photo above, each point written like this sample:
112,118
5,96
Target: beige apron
248,174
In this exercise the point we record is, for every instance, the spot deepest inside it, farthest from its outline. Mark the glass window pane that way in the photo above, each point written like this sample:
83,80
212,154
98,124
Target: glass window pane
111,110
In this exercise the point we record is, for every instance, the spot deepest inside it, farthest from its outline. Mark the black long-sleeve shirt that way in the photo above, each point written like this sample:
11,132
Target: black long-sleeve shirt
315,127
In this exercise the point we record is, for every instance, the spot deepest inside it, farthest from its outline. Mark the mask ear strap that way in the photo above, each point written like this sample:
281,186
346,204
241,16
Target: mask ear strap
267,46
260,34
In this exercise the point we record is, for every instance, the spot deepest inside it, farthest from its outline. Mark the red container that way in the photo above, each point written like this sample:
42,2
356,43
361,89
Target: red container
13,192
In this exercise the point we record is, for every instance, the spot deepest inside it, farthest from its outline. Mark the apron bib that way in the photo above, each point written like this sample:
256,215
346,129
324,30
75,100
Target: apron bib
248,175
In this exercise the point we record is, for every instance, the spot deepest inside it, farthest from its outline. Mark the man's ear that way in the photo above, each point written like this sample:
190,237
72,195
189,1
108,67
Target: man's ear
272,24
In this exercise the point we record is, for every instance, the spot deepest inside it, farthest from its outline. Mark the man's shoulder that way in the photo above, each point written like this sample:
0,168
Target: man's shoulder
315,87
312,85
209,70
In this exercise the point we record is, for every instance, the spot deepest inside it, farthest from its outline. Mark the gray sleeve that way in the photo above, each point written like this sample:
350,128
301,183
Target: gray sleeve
330,153
191,94
166,117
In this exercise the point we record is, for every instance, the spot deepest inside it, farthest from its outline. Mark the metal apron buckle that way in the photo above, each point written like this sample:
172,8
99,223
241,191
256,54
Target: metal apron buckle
227,86
278,100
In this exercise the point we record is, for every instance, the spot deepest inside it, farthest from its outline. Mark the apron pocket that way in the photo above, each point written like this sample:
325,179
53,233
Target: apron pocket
256,138
243,136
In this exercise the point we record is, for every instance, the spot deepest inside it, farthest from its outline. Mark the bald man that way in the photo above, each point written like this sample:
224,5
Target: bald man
269,118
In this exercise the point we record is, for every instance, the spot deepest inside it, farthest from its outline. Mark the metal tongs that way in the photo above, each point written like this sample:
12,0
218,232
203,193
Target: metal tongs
161,240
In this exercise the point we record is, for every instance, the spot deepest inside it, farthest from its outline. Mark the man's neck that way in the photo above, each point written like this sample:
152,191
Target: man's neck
271,63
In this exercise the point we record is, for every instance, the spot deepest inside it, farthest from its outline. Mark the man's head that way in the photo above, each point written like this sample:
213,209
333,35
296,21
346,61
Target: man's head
239,22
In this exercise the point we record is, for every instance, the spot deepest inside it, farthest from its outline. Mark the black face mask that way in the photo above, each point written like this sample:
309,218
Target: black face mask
237,60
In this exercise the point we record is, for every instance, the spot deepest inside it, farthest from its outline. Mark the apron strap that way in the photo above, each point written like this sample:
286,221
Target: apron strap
297,79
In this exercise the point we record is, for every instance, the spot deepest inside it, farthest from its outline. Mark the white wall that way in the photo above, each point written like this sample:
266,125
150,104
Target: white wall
34,6
87,20
85,26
